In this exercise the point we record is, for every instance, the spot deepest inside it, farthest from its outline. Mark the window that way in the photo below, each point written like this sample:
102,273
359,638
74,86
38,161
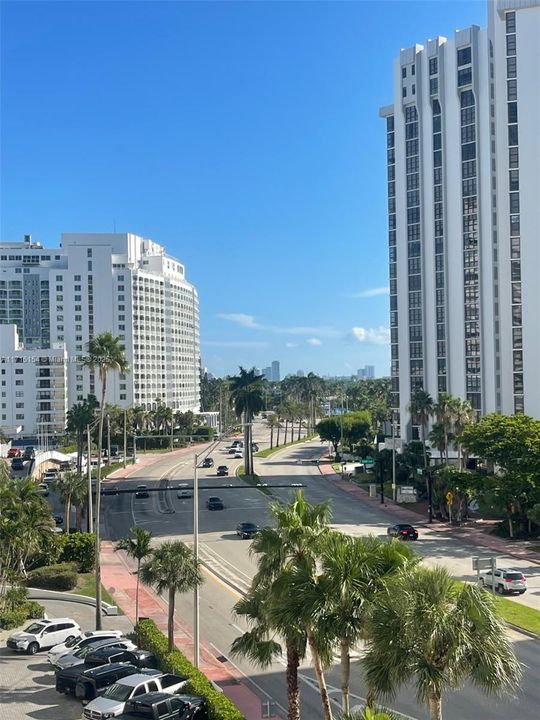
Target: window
77,278
510,44
518,382
515,249
468,116
437,158
511,67
514,225
464,77
404,92
512,135
464,56
516,316
414,89
517,337
516,293
89,252
513,157
511,90
514,202
513,180
468,151
433,66
89,265
510,19
437,141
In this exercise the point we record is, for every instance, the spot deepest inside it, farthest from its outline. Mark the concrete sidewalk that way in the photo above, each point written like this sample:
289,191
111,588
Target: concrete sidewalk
475,532
117,575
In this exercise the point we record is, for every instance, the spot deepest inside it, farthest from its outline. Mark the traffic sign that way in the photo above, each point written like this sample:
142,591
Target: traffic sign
479,563
368,461
449,497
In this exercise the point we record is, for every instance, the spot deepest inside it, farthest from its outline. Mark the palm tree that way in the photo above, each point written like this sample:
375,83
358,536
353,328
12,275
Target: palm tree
262,642
172,567
464,414
353,572
247,400
79,416
444,410
437,438
79,497
136,546
105,353
429,629
421,409
272,421
67,485
283,553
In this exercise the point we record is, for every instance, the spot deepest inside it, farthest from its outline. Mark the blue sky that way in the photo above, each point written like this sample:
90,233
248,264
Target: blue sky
242,136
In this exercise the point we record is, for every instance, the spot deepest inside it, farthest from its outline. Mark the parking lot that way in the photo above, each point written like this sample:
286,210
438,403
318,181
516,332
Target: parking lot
27,681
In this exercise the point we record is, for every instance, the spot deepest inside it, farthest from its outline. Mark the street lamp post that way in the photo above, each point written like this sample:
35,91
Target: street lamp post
394,486
430,495
196,597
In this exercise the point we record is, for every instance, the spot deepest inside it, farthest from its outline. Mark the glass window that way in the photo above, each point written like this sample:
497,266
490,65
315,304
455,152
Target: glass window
516,293
464,77
510,19
403,72
511,90
518,382
437,158
389,128
517,337
514,202
510,44
464,56
404,92
437,141
513,157
511,67
514,179
516,316
468,151
433,66
468,133
436,123
513,135
467,116
514,225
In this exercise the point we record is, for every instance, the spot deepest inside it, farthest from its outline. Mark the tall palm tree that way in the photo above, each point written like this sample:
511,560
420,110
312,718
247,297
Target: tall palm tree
137,546
428,629
437,438
79,416
262,643
421,409
464,414
354,570
172,567
106,354
272,422
284,551
444,410
79,497
67,485
247,399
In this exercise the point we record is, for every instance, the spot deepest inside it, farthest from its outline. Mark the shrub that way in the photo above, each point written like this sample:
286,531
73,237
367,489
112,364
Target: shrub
12,618
34,610
54,577
219,706
14,597
48,553
79,548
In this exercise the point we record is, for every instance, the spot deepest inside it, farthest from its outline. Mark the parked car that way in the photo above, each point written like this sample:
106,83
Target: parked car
49,476
505,581
112,701
14,452
237,443
43,489
17,464
142,491
183,493
222,470
403,532
78,657
58,518
208,462
214,503
43,634
160,706
80,641
90,683
114,654
29,453
247,530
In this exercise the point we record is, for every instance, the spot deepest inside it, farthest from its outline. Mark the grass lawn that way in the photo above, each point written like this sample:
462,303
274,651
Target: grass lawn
271,451
524,617
86,585
252,480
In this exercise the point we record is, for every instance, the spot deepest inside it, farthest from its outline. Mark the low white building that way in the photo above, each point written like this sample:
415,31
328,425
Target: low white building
33,388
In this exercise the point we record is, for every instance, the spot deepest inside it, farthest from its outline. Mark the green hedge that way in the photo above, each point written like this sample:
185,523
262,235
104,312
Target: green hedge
79,548
29,610
219,706
54,577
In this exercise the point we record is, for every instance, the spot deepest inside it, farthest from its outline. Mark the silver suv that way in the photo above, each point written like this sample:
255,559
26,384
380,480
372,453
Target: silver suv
505,581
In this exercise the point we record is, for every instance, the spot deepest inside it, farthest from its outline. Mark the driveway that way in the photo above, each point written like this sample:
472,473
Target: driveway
27,682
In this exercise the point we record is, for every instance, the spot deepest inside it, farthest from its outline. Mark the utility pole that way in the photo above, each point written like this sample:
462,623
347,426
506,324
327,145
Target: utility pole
196,554
125,435
134,448
430,495
394,486
108,439
89,519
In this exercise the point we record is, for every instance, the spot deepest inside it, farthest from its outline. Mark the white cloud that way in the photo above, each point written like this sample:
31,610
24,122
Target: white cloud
371,292
247,321
314,341
371,336
235,343
291,345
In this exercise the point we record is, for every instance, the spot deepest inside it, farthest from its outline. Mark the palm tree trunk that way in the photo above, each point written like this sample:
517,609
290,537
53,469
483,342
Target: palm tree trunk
98,502
278,429
246,444
424,444
345,676
271,437
78,517
435,706
299,428
170,620
137,592
286,429
293,690
319,672
67,513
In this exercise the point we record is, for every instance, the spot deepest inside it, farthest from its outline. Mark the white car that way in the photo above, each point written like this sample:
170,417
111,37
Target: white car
238,454
505,581
43,634
78,642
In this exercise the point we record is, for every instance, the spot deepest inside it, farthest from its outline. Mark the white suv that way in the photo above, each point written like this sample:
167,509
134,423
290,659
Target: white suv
43,634
505,581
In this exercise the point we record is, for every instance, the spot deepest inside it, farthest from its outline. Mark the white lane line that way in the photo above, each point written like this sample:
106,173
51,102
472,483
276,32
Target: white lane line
236,627
220,559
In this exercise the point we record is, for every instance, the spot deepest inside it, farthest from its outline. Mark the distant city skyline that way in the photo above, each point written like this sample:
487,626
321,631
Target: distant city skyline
267,178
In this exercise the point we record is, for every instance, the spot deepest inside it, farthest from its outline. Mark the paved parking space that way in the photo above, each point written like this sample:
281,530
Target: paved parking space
27,682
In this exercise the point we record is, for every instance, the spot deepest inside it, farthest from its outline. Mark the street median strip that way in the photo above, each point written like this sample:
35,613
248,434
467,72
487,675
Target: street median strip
271,451
252,480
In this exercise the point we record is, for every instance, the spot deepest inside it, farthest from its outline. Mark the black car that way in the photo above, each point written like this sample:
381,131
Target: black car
208,462
106,655
403,532
247,530
214,503
58,518
17,464
142,491
161,706
222,470
94,681
29,453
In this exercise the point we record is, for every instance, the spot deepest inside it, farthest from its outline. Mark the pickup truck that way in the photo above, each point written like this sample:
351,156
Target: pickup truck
111,702
87,682
67,679
161,706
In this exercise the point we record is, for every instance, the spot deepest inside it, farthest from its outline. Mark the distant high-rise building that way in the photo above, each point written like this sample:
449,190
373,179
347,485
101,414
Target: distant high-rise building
366,373
267,372
276,376
300,373
463,162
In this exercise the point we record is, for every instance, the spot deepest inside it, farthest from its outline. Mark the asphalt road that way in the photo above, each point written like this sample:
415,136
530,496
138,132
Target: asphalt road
228,557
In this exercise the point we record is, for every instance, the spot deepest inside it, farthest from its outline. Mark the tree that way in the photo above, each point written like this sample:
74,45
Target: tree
272,421
68,485
421,409
429,629
136,546
106,354
172,567
356,427
464,415
330,429
247,400
445,410
79,416
437,439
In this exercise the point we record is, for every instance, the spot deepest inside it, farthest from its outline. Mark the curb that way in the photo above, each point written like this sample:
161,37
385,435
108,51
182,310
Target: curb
528,633
41,594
